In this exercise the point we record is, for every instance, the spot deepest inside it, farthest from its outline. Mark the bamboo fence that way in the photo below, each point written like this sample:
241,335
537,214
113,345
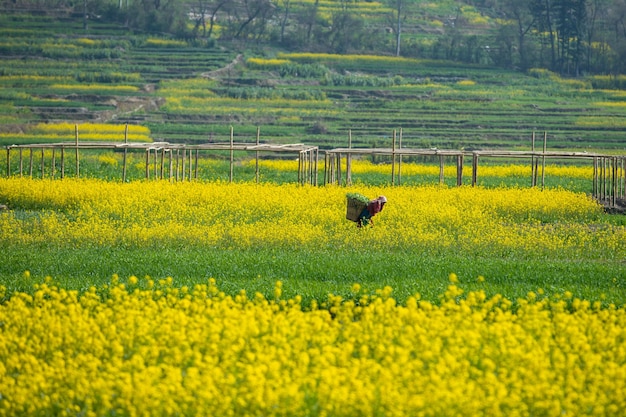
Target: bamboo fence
179,162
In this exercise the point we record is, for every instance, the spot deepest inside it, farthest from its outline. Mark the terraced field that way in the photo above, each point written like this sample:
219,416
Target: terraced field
52,70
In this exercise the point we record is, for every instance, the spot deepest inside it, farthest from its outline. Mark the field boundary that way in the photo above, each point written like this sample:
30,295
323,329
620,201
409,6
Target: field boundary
178,161
163,160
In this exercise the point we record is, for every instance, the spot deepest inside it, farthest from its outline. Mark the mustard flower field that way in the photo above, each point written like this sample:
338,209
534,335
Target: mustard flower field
245,299
146,348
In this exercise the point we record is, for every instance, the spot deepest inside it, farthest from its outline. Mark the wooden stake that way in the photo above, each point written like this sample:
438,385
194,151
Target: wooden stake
184,161
30,167
393,158
124,165
400,158
125,153
162,163
53,163
474,169
543,161
77,156
232,155
440,169
316,164
171,162
147,164
62,162
349,160
42,163
594,187
177,163
532,162
256,154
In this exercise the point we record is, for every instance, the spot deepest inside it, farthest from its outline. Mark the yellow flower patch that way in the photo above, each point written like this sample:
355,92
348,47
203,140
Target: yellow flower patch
144,348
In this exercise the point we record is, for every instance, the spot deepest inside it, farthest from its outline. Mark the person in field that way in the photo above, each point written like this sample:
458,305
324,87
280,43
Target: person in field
373,208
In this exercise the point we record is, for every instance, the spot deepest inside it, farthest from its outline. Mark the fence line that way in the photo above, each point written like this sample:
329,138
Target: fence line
609,177
609,171
182,160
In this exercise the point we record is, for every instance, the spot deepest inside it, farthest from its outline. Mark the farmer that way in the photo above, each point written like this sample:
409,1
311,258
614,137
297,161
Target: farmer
373,207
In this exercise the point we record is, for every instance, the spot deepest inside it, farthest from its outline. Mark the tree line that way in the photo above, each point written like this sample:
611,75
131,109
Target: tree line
568,37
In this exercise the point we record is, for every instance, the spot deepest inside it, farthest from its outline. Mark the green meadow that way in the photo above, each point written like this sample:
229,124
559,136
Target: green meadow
53,73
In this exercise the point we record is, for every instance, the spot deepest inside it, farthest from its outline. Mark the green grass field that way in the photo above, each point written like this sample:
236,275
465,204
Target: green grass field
194,93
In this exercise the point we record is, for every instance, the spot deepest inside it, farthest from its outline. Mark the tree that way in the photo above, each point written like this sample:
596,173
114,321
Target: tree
397,17
346,32
398,26
571,21
542,12
520,14
283,21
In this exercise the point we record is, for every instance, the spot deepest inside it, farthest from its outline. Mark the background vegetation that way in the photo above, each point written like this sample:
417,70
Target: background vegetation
569,37
193,89
56,73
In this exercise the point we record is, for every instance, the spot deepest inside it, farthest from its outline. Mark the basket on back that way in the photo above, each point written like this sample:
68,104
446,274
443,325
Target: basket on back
355,205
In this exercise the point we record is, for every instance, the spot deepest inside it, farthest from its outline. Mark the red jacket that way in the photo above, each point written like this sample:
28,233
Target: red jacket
375,207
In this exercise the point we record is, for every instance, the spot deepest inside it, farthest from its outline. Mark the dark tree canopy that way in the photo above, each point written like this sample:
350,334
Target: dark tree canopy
568,37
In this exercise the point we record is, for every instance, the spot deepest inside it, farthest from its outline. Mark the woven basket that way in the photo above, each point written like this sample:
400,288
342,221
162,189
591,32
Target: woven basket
354,209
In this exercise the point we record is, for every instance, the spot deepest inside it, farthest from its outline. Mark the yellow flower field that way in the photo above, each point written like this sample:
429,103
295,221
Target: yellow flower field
145,213
148,348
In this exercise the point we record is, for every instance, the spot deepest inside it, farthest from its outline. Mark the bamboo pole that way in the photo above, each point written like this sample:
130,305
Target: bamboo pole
171,164
393,158
77,155
312,167
124,170
400,158
62,162
177,164
21,163
30,167
43,166
196,167
594,186
622,178
543,160
533,174
440,169
316,167
125,154
53,162
614,180
256,155
603,175
147,164
190,164
339,168
325,168
306,166
349,160
162,164
474,168
184,164
459,170
300,167
8,162
303,166
232,154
